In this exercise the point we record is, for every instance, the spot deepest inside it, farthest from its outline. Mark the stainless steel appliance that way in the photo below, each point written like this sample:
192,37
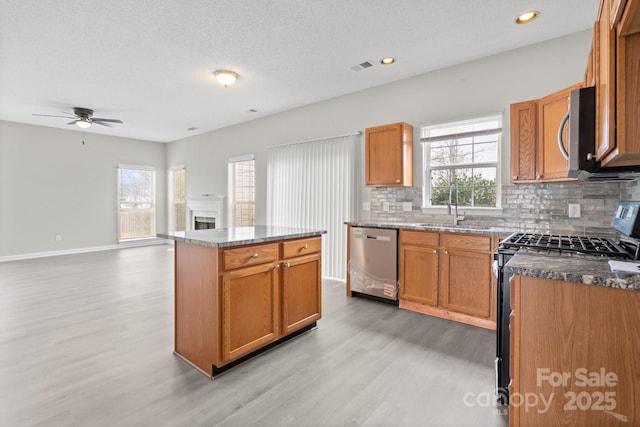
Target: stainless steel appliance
581,151
373,263
626,220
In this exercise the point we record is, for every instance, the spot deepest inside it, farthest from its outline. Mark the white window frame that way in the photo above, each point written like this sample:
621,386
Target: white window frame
426,168
154,202
231,187
170,199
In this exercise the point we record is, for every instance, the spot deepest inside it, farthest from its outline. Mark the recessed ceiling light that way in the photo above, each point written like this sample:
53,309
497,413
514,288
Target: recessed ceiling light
388,60
527,17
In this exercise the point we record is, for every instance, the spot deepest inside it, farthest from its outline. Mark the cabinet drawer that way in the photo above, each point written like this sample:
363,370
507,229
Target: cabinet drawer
299,247
249,255
466,242
422,238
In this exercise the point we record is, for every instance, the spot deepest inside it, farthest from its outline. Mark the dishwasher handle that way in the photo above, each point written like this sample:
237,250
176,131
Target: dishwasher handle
373,237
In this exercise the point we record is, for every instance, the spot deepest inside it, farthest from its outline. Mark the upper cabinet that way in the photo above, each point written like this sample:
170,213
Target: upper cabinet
389,155
535,126
616,47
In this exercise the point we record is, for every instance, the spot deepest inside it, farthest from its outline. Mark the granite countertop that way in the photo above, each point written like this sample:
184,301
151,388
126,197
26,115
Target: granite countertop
462,228
585,269
238,236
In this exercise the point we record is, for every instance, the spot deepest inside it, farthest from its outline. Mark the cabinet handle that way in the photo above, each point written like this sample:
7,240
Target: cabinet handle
590,157
305,247
255,255
397,181
277,267
287,265
446,252
435,251
538,176
515,177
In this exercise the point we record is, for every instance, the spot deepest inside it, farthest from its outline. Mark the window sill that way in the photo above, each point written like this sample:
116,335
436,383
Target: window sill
463,210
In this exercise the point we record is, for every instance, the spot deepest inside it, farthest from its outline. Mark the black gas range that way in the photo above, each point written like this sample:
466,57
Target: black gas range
626,221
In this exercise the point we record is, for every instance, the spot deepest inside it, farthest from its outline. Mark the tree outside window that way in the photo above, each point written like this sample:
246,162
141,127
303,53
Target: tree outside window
464,154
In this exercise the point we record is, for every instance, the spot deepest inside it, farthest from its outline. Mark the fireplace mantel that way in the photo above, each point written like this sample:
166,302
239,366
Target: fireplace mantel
206,206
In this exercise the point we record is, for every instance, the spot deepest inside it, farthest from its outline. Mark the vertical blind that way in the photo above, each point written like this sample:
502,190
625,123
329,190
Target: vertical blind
314,185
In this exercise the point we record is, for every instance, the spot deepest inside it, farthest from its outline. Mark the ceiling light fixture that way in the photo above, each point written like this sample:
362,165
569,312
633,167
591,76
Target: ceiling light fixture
527,17
226,77
388,60
83,122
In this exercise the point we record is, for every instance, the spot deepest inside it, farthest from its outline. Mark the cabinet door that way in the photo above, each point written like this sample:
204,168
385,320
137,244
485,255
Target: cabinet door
388,155
249,309
301,292
605,77
552,109
419,274
465,282
524,128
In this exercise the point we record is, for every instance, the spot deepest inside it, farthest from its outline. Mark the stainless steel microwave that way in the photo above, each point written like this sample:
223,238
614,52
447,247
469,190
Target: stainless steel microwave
581,119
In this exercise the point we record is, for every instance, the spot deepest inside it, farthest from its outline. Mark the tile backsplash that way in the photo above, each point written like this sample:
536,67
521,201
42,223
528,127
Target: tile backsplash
525,207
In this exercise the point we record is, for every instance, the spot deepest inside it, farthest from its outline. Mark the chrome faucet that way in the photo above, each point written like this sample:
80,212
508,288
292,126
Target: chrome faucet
456,218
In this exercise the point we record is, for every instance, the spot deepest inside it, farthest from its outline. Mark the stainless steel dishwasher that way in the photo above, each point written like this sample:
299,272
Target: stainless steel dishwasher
373,262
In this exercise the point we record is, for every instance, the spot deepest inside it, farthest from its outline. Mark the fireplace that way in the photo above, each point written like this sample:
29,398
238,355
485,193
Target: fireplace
205,212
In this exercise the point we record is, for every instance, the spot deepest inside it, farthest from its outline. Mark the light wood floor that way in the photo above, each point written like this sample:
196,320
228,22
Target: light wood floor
87,340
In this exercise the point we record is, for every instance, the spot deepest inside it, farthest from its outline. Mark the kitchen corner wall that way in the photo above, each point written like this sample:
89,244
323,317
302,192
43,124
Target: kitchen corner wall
525,207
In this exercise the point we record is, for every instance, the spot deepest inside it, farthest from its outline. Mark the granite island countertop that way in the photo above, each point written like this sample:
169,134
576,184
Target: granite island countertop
462,228
585,269
238,236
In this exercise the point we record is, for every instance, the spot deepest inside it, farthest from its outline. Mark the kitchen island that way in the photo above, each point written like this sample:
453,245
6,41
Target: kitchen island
575,342
239,291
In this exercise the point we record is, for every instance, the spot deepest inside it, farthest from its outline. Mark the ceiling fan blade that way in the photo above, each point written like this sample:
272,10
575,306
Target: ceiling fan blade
49,115
101,123
95,119
72,122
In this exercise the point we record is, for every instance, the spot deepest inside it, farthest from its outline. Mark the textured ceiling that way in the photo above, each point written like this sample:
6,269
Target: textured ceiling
150,62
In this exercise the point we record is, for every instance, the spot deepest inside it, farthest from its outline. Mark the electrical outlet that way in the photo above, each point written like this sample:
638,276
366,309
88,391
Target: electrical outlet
574,210
58,237
406,206
366,206
385,206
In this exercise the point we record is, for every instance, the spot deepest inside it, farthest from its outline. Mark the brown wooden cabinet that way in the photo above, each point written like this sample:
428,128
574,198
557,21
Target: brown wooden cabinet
389,155
232,301
448,275
418,262
535,154
524,137
301,278
250,302
568,343
552,109
616,46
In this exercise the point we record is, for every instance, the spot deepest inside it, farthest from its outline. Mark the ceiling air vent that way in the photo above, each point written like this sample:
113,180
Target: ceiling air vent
362,66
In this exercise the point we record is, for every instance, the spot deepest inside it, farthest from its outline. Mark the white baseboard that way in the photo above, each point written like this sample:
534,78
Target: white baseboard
121,245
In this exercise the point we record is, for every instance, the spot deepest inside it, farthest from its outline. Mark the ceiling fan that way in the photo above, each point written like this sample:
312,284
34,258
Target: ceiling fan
83,117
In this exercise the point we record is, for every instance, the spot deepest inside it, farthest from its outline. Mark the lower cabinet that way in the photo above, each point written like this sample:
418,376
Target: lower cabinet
448,275
575,354
249,310
301,294
466,282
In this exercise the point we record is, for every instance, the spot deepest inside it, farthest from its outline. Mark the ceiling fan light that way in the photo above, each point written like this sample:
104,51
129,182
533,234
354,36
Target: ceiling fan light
83,122
226,77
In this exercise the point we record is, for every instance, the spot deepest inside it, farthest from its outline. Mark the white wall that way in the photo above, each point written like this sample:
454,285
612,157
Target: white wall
480,87
52,184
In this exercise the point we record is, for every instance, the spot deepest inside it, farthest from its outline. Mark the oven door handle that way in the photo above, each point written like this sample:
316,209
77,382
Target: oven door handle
563,150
